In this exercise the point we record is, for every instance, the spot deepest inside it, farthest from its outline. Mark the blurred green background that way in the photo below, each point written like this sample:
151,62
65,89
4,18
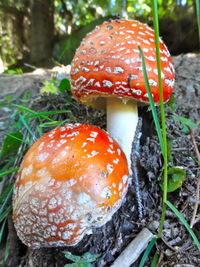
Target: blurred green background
45,33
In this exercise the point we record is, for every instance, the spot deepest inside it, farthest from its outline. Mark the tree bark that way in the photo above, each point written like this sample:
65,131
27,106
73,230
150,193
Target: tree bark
42,31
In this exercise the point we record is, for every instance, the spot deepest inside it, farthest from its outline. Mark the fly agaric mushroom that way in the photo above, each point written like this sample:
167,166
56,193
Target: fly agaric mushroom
107,73
72,179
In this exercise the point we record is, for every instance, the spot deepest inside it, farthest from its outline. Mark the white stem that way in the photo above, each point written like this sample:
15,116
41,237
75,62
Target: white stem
122,118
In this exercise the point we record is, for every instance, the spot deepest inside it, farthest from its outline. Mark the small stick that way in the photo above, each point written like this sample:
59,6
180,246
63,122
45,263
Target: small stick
195,144
193,221
134,167
131,253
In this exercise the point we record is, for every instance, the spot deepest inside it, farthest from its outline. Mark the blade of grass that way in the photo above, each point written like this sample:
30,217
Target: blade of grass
155,259
5,192
12,136
6,200
8,172
52,124
24,122
5,213
183,220
20,107
7,249
152,105
147,251
2,230
8,164
41,114
162,111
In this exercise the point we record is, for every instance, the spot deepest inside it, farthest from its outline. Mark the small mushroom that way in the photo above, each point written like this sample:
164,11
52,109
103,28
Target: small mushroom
107,73
72,179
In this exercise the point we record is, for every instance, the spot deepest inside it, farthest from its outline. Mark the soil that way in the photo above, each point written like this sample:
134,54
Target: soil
176,247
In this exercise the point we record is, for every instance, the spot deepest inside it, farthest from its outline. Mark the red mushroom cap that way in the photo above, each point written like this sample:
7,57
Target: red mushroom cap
72,179
108,63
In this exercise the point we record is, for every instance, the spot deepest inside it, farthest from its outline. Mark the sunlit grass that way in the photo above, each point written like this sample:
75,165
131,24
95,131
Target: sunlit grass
162,136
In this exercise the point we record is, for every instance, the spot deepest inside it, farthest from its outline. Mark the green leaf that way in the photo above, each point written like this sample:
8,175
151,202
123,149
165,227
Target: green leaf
176,176
80,261
49,88
11,143
71,257
64,86
90,257
185,122
172,103
185,223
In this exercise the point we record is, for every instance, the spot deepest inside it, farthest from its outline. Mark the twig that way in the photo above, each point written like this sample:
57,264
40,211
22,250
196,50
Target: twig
131,253
160,259
134,167
168,245
195,144
193,220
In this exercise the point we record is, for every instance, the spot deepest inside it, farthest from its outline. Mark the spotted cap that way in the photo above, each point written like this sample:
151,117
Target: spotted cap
72,179
108,63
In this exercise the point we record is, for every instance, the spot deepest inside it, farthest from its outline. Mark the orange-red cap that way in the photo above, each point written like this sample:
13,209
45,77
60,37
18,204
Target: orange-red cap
108,63
72,179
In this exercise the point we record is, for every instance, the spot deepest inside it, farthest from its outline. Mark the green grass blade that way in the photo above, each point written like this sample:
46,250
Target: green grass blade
183,220
152,105
147,251
20,107
53,123
24,122
12,136
8,172
198,17
7,249
2,230
162,112
155,259
41,114
8,164
7,198
5,213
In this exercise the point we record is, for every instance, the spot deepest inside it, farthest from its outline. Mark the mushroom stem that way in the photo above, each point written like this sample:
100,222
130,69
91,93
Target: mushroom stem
122,119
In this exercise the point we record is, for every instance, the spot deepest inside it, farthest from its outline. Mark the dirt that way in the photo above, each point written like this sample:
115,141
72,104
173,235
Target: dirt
176,247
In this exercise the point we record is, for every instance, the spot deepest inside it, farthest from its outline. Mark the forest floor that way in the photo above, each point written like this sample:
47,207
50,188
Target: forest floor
176,247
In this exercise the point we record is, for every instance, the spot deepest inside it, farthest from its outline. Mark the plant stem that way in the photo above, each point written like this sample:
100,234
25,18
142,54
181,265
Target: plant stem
162,111
198,17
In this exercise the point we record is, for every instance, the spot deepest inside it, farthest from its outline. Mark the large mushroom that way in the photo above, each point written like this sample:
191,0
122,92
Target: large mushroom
107,73
72,179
